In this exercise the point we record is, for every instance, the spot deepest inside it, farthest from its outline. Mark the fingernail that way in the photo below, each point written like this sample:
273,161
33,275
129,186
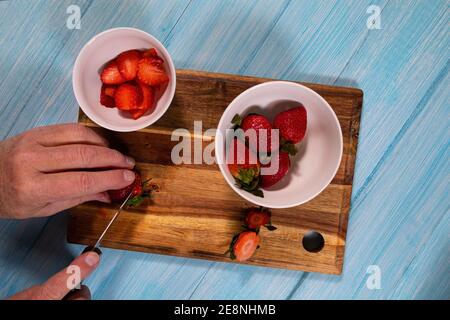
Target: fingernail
91,259
130,161
129,175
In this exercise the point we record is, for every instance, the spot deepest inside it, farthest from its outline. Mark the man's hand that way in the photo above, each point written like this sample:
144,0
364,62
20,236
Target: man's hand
49,169
58,286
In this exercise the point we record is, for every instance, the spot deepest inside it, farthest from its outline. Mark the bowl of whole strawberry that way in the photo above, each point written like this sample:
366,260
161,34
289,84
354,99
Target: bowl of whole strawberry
124,79
278,144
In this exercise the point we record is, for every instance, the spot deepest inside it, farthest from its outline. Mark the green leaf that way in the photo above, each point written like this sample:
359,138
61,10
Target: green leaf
289,148
230,249
237,120
258,193
271,228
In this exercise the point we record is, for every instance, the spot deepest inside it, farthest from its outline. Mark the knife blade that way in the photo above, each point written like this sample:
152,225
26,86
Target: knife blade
96,246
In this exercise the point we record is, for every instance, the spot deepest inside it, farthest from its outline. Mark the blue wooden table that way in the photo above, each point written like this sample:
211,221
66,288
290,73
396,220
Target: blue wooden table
399,222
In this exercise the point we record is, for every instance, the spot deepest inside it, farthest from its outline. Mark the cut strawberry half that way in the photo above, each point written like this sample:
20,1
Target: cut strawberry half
109,90
148,96
106,98
256,218
111,74
107,101
128,96
150,53
244,245
127,63
148,100
151,72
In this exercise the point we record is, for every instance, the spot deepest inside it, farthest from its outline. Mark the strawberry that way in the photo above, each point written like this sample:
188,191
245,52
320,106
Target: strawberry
258,123
121,194
111,74
148,96
244,167
151,72
148,101
150,53
283,166
128,96
244,245
292,124
109,90
139,190
127,62
106,98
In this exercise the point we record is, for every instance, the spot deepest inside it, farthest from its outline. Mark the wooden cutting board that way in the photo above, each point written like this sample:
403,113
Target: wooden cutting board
196,213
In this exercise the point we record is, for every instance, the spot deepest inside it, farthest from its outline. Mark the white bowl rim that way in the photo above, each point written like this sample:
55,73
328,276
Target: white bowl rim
98,120
219,153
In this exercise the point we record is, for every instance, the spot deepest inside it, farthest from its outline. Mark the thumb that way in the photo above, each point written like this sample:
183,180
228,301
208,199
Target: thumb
69,278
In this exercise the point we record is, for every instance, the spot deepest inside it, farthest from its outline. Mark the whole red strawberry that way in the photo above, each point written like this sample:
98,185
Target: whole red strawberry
259,124
292,124
244,166
121,194
266,181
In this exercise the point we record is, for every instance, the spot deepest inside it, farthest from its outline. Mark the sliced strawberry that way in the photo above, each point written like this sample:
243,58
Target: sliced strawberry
127,63
107,101
245,245
151,72
148,100
148,96
150,53
136,114
105,98
111,74
128,97
109,90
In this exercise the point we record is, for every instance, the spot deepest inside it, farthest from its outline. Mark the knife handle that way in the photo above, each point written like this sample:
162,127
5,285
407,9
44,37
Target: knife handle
75,291
92,248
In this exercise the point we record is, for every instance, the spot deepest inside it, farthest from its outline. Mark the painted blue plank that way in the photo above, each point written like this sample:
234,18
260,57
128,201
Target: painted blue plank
400,210
397,222
44,96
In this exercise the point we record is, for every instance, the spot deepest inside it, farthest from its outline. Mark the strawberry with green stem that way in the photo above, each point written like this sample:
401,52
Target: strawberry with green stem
262,127
140,191
244,244
256,218
244,167
292,124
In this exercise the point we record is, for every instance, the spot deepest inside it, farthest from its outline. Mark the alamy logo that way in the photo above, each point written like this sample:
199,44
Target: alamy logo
374,20
74,280
243,148
373,282
74,19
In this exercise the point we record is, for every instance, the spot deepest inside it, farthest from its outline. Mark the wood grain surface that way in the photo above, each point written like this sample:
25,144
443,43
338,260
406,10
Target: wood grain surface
195,214
399,218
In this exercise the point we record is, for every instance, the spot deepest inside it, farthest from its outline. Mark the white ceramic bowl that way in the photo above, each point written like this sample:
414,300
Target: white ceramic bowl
320,152
86,80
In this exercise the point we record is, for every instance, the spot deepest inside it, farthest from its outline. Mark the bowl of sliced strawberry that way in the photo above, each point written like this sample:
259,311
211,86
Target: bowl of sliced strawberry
279,144
124,79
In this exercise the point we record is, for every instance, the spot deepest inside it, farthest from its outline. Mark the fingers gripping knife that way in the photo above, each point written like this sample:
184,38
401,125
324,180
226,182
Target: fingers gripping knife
95,248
